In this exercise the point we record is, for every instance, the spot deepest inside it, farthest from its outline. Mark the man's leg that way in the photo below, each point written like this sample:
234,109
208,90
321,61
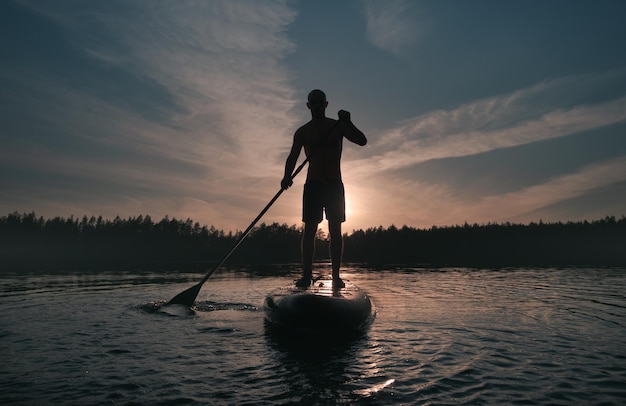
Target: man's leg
336,247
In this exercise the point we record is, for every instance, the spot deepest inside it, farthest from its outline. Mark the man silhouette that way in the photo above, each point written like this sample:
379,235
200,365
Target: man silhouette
322,140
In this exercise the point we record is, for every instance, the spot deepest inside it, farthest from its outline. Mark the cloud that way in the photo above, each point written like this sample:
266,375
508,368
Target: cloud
186,108
389,27
178,97
387,200
397,190
588,179
511,120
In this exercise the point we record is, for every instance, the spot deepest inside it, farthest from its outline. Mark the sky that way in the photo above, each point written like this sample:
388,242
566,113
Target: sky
475,111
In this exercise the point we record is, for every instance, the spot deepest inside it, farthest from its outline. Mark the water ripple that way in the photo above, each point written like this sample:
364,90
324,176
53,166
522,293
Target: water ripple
448,336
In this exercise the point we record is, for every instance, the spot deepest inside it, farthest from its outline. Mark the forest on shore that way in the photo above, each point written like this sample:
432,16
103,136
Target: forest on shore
31,242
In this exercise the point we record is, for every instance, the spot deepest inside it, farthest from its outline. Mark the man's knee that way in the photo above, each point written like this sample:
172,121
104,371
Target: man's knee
310,230
334,228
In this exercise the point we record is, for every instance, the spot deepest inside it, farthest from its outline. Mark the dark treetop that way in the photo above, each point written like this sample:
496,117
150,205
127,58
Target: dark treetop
31,242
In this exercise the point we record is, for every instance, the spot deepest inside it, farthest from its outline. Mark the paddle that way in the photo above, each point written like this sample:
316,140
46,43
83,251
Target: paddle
189,296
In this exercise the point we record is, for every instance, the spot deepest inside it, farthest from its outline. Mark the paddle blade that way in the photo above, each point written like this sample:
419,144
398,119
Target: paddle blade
187,297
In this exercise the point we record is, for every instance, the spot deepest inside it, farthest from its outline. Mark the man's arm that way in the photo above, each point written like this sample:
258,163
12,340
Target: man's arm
292,159
352,133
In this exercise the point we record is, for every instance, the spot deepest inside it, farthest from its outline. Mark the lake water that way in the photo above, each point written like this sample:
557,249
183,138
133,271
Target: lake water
440,337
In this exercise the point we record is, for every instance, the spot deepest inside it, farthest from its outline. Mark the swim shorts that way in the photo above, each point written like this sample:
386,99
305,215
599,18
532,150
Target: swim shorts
320,196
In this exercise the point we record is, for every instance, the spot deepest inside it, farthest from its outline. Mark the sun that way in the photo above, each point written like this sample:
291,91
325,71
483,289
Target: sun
352,214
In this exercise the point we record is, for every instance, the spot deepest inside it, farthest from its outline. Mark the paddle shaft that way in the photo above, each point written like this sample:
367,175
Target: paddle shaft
189,296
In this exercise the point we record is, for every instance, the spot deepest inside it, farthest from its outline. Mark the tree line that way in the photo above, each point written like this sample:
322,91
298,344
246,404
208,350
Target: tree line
596,243
29,241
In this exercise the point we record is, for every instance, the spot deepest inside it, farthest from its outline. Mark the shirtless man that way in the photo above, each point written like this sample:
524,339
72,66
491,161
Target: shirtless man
322,139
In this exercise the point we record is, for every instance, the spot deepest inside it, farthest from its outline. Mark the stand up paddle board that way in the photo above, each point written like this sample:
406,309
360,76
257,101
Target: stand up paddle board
319,308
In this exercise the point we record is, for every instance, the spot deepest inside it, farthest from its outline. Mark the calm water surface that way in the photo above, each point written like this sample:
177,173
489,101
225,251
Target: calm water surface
446,336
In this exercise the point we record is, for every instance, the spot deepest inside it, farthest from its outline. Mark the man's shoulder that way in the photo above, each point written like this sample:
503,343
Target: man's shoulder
303,127
314,124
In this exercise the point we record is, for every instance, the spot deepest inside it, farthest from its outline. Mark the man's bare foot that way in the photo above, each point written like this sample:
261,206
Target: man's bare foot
338,283
304,282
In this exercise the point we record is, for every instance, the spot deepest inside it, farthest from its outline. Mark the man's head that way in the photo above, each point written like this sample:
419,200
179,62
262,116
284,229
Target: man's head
316,102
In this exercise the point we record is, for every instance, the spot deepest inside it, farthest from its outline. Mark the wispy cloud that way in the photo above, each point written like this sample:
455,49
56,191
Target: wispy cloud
218,60
187,108
529,200
551,109
388,25
409,200
213,106
498,122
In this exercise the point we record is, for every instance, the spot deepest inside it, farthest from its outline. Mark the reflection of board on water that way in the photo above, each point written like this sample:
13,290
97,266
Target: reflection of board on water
319,308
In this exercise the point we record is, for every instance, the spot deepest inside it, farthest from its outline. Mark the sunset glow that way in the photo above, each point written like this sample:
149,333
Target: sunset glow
474,111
